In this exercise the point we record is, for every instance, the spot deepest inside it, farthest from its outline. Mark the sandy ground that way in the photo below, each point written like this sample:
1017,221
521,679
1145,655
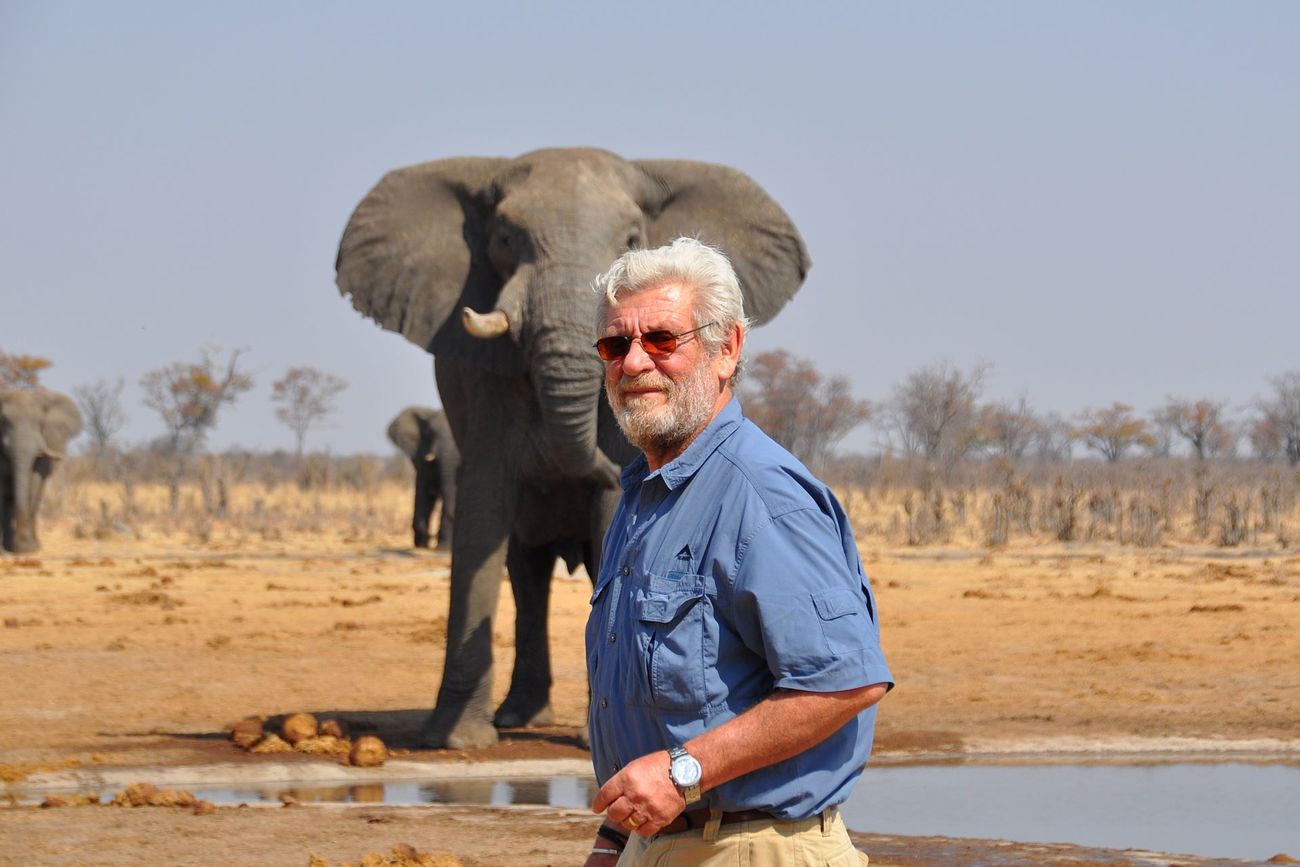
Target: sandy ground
129,652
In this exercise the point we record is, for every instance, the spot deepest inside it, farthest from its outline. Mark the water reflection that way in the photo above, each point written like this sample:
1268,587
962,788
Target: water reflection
574,792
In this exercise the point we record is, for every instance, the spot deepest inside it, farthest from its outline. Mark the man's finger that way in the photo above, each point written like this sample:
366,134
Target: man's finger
607,795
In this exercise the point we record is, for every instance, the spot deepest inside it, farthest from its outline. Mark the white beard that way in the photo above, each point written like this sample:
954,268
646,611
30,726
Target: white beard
688,405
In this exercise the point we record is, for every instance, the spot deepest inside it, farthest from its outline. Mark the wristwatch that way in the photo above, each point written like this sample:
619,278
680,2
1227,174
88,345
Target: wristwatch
685,773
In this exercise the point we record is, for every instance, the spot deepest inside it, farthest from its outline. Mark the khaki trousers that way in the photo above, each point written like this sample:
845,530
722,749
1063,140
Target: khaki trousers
821,841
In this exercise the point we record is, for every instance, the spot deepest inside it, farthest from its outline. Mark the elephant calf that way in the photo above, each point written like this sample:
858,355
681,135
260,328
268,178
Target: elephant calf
424,436
35,426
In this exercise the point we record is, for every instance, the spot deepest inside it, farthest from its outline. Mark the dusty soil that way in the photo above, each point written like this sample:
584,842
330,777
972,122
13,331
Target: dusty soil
136,652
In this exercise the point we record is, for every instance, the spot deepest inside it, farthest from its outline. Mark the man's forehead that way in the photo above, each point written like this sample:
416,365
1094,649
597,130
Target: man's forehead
667,298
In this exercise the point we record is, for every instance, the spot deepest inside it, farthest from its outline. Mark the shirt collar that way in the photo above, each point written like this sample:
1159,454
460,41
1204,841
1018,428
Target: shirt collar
680,469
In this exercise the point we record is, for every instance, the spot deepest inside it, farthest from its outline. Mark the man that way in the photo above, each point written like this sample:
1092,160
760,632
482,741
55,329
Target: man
732,650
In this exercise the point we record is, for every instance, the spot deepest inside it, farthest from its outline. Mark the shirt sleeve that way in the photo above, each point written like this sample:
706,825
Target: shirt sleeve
806,609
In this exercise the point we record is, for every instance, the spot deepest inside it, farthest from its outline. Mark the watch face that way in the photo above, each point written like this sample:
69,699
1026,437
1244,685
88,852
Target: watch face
685,771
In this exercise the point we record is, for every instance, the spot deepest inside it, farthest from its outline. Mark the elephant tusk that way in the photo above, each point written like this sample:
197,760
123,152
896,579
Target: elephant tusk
485,325
52,455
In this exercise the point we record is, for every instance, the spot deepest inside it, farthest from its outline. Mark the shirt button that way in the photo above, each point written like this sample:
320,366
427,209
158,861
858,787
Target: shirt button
627,570
612,638
604,702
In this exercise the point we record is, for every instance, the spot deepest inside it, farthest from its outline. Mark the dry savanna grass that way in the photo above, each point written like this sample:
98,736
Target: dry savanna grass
137,620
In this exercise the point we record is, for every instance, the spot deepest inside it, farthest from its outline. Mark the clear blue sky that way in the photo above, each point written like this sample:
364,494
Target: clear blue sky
1102,199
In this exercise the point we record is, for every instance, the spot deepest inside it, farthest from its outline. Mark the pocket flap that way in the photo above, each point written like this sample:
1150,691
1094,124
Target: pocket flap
663,609
836,603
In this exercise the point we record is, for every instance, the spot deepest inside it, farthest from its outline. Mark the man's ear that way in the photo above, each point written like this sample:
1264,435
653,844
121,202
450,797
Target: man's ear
728,357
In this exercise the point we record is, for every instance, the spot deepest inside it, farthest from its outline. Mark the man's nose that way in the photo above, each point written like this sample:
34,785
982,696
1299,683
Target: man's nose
637,359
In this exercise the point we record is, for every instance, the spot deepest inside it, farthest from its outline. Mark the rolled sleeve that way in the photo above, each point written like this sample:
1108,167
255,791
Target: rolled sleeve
806,610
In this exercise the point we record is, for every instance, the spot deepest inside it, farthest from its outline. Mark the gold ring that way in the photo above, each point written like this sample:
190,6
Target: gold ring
631,823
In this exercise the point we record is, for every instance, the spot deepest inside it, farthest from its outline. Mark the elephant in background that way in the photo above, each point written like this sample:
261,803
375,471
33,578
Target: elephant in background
424,436
35,427
487,263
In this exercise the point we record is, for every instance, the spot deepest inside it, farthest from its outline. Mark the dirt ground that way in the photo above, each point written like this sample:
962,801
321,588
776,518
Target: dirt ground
136,652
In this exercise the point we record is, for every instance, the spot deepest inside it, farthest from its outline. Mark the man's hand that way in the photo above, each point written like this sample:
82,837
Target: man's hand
641,797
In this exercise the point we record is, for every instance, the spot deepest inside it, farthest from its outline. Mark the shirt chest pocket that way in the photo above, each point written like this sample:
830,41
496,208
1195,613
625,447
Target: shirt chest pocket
673,620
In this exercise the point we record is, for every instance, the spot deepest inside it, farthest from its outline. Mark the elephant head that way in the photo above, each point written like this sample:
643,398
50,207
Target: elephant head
490,261
423,435
35,427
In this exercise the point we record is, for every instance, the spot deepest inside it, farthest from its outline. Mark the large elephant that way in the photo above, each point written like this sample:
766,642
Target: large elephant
487,263
35,426
424,436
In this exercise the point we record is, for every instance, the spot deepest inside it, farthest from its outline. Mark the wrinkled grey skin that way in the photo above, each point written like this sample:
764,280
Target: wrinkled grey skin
540,451
424,436
35,426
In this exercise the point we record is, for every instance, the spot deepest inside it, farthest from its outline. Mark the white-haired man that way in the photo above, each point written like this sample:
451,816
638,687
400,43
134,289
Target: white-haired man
733,648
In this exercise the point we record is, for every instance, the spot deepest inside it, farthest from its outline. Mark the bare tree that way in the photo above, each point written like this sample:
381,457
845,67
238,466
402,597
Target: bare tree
304,398
1283,413
1163,430
101,407
798,407
933,412
1265,436
1112,430
188,395
21,371
1201,423
1054,439
1008,430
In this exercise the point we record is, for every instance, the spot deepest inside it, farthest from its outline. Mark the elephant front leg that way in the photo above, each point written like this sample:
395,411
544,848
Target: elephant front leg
529,701
6,513
423,502
440,491
462,718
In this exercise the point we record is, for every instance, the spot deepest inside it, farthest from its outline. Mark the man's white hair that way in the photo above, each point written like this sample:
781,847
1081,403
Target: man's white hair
689,261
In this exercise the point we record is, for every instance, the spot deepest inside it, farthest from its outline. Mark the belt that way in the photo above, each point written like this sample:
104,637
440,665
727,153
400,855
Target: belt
699,817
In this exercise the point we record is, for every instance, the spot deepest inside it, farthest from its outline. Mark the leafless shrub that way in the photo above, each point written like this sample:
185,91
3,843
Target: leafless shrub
1144,523
1060,513
926,519
1235,522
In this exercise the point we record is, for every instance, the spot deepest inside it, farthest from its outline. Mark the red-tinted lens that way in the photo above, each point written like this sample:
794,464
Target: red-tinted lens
659,342
610,348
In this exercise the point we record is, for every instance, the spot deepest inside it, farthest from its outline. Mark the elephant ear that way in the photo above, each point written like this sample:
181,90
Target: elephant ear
727,209
61,420
415,252
404,432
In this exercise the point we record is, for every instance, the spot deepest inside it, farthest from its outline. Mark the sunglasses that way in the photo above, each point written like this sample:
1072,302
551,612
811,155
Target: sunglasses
655,343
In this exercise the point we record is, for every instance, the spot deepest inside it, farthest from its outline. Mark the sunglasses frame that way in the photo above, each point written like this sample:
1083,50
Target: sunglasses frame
659,335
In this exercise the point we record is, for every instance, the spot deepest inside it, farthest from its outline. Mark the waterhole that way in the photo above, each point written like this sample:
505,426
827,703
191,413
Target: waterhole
1229,810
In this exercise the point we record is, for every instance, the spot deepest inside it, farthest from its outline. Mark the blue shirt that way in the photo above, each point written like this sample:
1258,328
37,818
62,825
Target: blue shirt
728,573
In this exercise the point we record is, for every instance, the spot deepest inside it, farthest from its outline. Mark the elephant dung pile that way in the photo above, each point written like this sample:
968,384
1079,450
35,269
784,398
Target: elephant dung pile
137,795
301,733
402,855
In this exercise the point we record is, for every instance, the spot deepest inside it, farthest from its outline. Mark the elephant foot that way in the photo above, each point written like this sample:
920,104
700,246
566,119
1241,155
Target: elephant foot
468,733
521,713
26,546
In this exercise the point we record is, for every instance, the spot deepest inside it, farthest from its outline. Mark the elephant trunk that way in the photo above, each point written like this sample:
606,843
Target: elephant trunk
567,375
27,493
